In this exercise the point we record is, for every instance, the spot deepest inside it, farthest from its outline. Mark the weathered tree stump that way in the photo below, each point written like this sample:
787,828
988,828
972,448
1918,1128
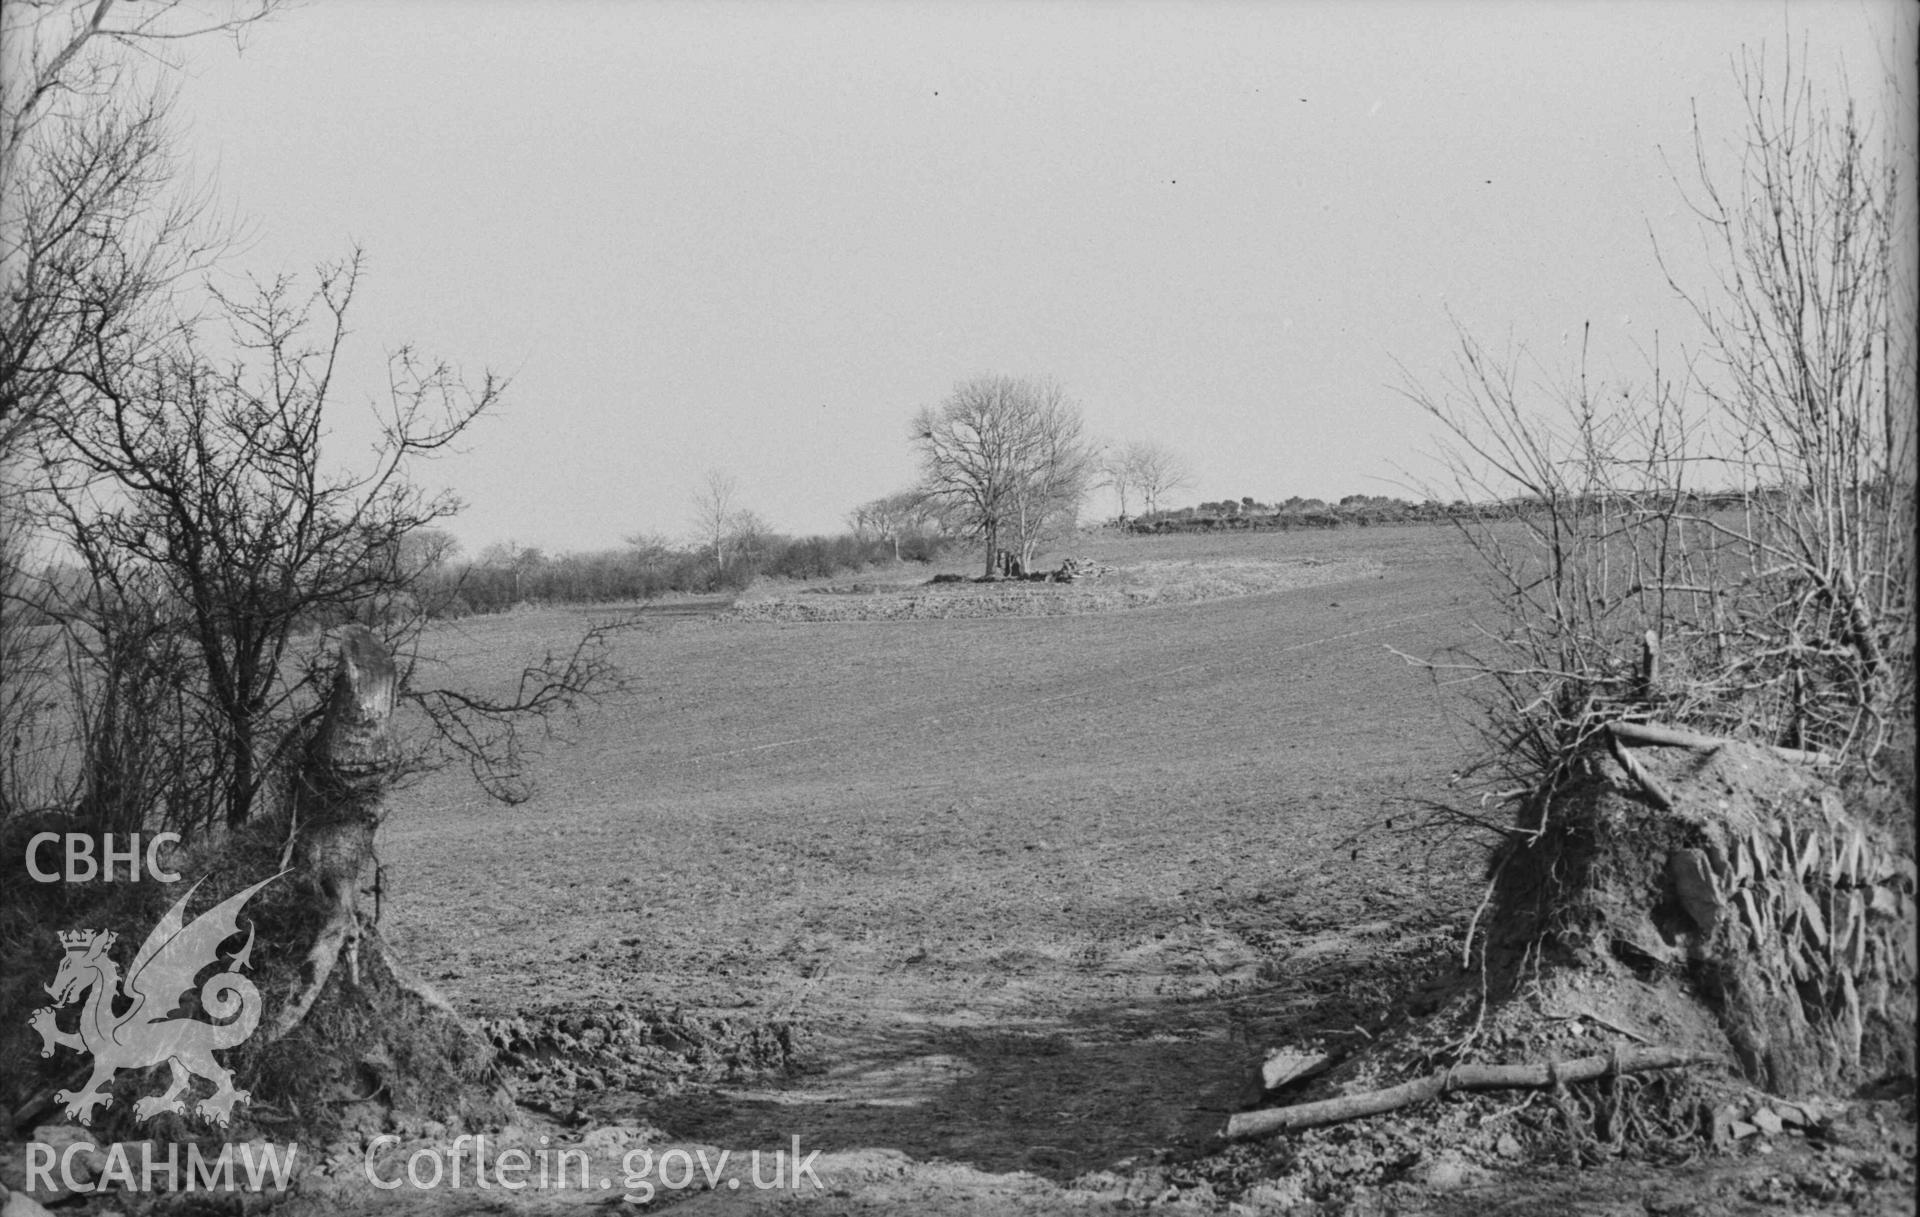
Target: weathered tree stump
368,1030
1722,896
337,803
1738,881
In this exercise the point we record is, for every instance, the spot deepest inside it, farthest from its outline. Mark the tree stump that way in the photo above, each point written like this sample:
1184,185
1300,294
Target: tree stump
337,803
367,1030
1735,880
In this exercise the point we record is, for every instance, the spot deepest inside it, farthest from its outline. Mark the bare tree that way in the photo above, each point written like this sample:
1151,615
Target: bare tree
652,550
894,516
91,228
94,231
1116,473
1811,328
516,559
213,537
1061,467
30,721
1156,471
1007,458
430,548
750,539
716,514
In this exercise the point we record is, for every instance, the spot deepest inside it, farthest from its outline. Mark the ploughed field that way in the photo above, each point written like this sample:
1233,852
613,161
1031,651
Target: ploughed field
1030,890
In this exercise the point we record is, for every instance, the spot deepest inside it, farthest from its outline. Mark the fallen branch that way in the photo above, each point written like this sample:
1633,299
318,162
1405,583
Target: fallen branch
1463,1077
1652,735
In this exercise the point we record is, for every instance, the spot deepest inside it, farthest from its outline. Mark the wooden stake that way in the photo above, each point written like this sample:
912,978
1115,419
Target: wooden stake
1650,668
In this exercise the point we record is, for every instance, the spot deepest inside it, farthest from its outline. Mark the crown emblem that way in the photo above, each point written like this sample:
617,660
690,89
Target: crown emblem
77,940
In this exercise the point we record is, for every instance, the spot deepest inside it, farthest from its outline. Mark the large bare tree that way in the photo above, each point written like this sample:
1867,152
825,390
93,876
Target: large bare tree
1008,459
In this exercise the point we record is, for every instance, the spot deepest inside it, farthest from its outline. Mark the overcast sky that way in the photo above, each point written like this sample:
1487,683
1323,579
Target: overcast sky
756,237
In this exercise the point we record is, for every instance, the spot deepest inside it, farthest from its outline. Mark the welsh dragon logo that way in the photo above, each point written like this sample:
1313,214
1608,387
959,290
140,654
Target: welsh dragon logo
144,1034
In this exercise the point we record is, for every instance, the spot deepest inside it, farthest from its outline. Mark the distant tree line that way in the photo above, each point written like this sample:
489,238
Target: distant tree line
505,575
1248,513
441,583
1363,510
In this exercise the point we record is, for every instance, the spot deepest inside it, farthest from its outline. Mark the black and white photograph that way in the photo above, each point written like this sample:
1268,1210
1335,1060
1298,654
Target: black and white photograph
964,608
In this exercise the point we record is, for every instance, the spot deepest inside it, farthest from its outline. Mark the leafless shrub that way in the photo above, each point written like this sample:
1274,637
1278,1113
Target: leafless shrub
98,227
1730,545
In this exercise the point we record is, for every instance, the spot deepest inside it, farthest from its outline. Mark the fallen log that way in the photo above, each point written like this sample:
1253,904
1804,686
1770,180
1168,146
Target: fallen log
1250,1124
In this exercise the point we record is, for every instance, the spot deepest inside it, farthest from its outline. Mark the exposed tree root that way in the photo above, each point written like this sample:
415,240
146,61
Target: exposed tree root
1638,772
341,928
